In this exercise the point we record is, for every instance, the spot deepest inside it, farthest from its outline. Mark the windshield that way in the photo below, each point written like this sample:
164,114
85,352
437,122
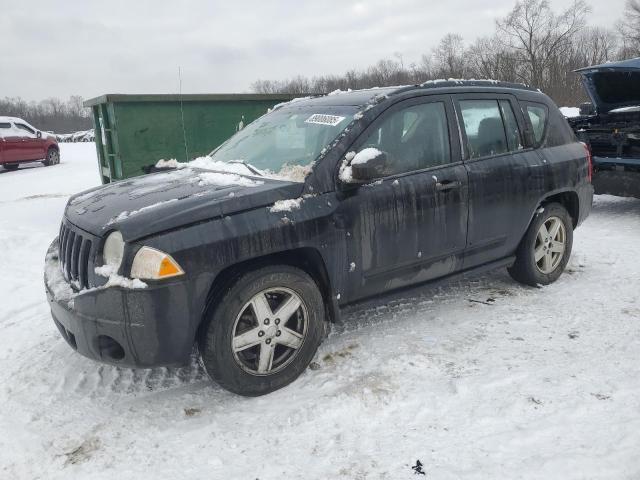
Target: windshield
286,140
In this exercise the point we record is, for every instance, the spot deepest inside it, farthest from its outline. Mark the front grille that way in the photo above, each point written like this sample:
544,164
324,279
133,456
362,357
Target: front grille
75,248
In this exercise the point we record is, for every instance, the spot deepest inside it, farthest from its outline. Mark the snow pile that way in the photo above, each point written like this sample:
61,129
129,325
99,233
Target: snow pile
286,205
223,179
291,173
339,92
364,156
207,163
570,112
58,286
346,173
114,280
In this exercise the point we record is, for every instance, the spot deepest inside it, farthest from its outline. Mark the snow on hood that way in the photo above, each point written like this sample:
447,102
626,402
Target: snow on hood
145,205
294,173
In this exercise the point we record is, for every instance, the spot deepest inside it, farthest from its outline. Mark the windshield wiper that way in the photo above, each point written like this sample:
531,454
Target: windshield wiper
250,167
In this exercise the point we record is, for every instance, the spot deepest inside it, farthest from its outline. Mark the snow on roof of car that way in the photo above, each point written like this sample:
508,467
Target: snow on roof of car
365,96
11,119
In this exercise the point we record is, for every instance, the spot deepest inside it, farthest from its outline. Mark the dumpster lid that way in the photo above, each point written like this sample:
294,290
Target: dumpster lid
191,97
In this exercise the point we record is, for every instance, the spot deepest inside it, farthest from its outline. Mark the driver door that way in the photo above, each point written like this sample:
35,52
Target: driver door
29,147
410,225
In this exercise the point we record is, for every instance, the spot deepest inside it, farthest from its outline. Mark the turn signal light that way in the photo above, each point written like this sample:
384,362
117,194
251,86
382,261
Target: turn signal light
152,264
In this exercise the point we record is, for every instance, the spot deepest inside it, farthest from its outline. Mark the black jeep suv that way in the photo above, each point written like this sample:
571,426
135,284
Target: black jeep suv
250,252
610,125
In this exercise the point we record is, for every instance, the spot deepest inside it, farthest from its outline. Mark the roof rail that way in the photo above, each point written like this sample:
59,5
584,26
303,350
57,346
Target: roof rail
454,82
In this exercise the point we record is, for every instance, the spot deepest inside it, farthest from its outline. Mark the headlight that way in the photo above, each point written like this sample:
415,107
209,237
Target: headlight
113,250
152,264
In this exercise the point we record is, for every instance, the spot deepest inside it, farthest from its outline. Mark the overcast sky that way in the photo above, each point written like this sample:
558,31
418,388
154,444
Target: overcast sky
90,48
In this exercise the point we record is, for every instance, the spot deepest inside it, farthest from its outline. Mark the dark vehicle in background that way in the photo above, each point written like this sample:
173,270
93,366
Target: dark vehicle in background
21,143
610,126
321,203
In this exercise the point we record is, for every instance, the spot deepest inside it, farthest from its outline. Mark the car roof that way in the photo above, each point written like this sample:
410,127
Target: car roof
360,98
11,119
631,64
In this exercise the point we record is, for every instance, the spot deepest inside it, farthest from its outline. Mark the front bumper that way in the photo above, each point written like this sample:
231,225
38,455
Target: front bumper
145,328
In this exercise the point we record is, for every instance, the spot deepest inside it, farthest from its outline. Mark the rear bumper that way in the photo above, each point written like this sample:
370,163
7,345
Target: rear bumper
615,176
128,327
585,196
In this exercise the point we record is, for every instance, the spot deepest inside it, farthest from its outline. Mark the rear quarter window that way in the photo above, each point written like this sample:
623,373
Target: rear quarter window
550,128
560,132
538,116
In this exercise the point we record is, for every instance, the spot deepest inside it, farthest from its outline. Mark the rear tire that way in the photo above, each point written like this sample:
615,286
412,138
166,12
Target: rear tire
545,249
53,157
10,166
263,332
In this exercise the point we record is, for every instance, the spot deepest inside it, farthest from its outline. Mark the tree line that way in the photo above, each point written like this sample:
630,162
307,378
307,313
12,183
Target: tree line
533,44
52,114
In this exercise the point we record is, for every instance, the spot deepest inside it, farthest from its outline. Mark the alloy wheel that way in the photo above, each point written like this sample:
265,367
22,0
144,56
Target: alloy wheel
550,245
269,331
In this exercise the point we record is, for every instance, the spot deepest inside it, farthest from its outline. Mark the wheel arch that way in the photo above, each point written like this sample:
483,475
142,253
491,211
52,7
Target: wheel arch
306,259
568,199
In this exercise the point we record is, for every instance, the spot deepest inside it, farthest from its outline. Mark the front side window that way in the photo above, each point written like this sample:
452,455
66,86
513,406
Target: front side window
484,128
538,117
25,128
5,129
413,138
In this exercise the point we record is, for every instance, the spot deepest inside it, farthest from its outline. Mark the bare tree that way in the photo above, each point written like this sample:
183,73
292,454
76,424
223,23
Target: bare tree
537,35
449,57
51,114
630,28
489,58
532,44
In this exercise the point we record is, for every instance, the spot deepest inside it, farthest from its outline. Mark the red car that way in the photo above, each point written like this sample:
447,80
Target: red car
21,142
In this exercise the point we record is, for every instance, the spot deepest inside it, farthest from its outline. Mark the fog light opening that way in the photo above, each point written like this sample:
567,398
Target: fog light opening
109,348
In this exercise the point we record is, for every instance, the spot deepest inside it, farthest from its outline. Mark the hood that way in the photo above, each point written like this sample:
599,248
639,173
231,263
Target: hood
153,203
613,85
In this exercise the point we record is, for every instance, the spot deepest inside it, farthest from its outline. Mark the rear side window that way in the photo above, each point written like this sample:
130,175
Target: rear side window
514,139
537,114
484,128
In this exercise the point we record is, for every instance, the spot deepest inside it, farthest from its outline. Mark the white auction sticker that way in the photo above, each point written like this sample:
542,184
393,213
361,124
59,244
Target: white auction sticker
322,119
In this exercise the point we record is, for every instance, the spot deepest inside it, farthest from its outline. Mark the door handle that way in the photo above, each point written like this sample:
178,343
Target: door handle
446,185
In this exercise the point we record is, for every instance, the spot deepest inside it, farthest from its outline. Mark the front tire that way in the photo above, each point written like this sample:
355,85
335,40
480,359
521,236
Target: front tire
545,249
53,157
264,331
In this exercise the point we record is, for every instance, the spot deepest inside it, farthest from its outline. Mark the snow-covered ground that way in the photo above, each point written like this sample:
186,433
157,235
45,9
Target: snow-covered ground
532,383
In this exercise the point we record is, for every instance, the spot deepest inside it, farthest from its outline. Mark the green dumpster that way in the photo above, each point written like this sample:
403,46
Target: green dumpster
135,131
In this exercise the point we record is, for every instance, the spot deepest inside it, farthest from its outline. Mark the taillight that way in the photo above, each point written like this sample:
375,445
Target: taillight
587,151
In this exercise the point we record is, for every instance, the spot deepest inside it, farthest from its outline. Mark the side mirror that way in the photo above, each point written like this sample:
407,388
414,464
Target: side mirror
39,134
368,164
